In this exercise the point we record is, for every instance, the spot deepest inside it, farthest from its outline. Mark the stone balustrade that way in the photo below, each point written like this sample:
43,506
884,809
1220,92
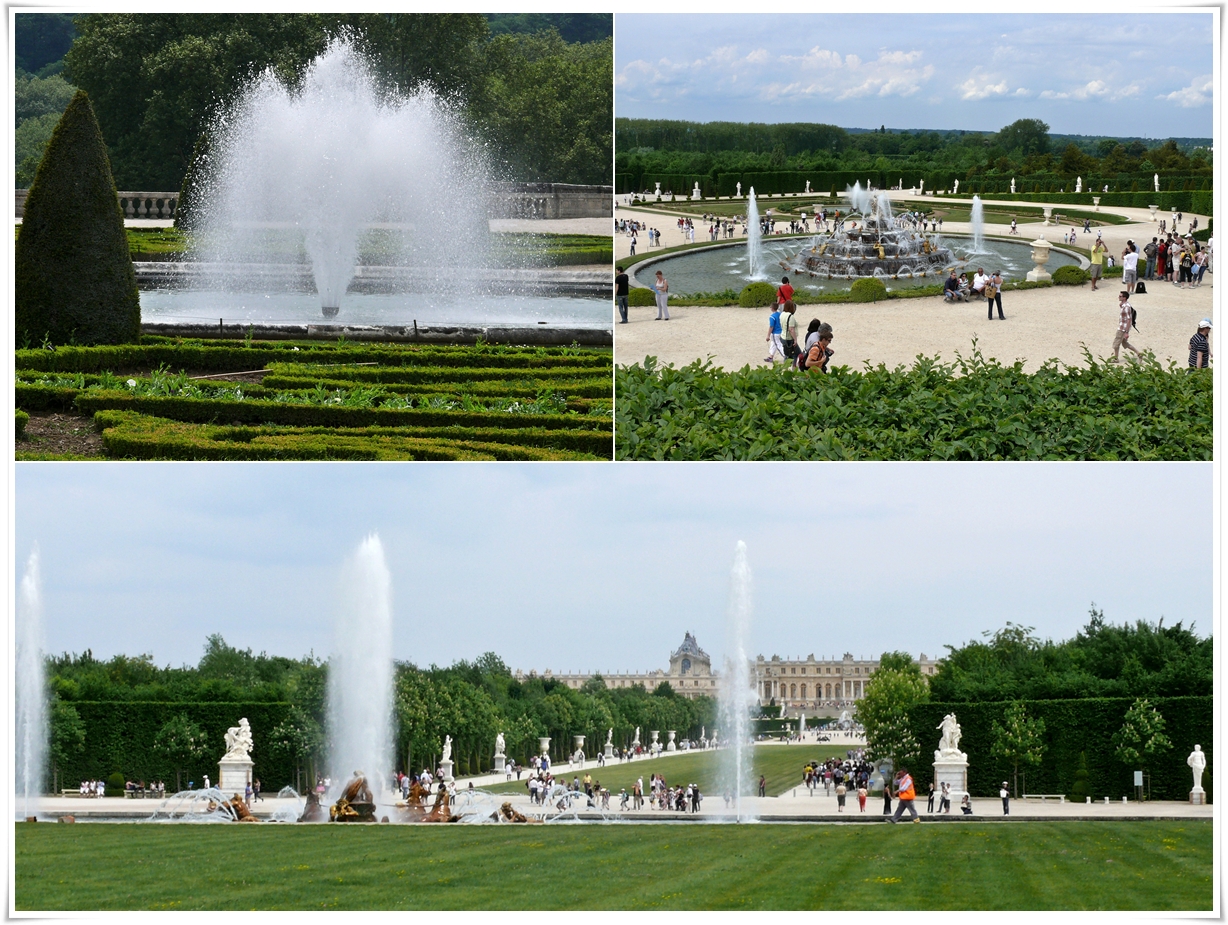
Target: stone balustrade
507,200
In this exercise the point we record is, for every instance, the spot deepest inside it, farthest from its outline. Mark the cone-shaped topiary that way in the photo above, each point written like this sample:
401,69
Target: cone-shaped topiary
73,273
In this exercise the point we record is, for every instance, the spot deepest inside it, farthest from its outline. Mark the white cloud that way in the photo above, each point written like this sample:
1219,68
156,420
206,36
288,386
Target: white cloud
978,87
1198,93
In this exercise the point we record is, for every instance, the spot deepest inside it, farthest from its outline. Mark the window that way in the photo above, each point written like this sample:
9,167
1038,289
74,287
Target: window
803,689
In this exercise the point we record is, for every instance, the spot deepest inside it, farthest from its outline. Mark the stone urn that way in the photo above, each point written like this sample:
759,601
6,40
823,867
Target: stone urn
671,747
1048,215
1040,256
657,195
543,742
655,745
1153,212
1096,203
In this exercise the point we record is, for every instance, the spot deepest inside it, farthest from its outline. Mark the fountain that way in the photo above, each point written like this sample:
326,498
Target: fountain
324,162
875,243
31,716
360,674
978,226
754,235
736,694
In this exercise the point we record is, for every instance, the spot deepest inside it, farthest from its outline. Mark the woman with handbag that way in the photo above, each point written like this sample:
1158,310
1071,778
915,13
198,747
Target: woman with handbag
661,287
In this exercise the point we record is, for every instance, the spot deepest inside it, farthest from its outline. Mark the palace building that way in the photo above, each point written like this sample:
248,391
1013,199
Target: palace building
802,685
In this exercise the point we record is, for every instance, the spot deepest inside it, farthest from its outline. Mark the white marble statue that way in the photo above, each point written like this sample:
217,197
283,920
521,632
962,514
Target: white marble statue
1078,184
956,190
949,743
1157,182
739,190
1198,762
921,187
609,736
807,186
637,728
1012,184
499,744
447,749
239,740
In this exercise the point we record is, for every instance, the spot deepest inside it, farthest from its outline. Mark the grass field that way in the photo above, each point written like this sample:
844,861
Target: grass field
1154,866
781,765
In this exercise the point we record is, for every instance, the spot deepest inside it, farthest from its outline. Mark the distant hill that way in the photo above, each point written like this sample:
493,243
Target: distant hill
40,41
1057,141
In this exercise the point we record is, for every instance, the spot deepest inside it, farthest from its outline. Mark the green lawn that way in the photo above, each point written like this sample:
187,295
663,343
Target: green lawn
781,765
1153,866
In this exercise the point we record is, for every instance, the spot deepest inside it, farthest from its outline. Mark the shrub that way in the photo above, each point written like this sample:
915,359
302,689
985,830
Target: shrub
870,289
115,785
1082,788
1070,276
73,275
757,295
22,420
641,297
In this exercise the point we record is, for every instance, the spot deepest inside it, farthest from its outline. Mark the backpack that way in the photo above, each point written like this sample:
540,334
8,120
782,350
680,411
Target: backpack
1141,287
1134,318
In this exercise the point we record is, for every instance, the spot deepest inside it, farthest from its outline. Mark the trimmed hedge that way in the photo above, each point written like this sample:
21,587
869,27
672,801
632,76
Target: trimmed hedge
256,411
73,277
119,736
641,298
230,356
868,289
22,420
757,295
1070,276
136,436
1073,727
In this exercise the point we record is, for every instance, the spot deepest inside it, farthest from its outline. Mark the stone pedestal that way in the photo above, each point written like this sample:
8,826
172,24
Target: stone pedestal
1040,256
695,193
609,750
1198,797
233,775
445,770
500,764
671,746
953,771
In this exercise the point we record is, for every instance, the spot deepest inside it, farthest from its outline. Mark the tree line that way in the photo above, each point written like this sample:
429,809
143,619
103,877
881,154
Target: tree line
470,701
647,148
540,103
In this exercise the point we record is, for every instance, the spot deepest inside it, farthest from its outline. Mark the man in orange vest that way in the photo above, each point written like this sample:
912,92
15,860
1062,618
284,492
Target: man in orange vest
905,794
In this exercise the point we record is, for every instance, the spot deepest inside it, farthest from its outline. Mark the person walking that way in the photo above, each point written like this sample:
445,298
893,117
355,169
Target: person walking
905,795
788,331
622,290
841,791
784,292
1129,267
633,240
762,786
1200,347
773,336
1097,268
1006,799
1122,337
661,287
862,793
993,293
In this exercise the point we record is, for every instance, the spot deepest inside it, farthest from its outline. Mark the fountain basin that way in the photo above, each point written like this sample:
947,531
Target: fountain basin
725,266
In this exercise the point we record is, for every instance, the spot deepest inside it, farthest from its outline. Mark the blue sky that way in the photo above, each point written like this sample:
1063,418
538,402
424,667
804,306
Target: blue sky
607,566
1106,73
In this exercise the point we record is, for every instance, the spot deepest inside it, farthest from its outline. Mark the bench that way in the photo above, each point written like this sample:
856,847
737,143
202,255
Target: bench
66,792
1060,797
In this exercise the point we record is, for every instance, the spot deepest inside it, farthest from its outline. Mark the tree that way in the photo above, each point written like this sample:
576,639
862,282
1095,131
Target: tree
1019,738
883,710
1026,136
1141,735
181,742
300,737
73,274
67,735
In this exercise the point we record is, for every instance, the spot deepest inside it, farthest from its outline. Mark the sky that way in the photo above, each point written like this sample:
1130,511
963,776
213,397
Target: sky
605,567
1115,73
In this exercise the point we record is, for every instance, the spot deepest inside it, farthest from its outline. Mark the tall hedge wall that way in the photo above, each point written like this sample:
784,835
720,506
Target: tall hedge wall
1072,727
119,736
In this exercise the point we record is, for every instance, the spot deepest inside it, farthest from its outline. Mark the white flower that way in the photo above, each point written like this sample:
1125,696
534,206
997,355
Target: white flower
132,383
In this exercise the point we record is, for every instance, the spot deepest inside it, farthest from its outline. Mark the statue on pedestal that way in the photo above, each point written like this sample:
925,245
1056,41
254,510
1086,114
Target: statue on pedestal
1012,184
609,736
447,749
499,744
948,745
1198,762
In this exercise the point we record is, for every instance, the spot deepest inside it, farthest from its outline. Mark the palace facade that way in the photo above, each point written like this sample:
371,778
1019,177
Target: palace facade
802,685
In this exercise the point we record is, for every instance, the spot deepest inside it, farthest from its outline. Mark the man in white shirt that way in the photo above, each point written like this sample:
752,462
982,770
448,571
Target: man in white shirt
979,281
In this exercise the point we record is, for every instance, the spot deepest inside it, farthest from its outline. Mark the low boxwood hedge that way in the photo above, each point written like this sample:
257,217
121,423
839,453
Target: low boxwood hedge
757,295
22,420
641,298
1070,276
868,289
